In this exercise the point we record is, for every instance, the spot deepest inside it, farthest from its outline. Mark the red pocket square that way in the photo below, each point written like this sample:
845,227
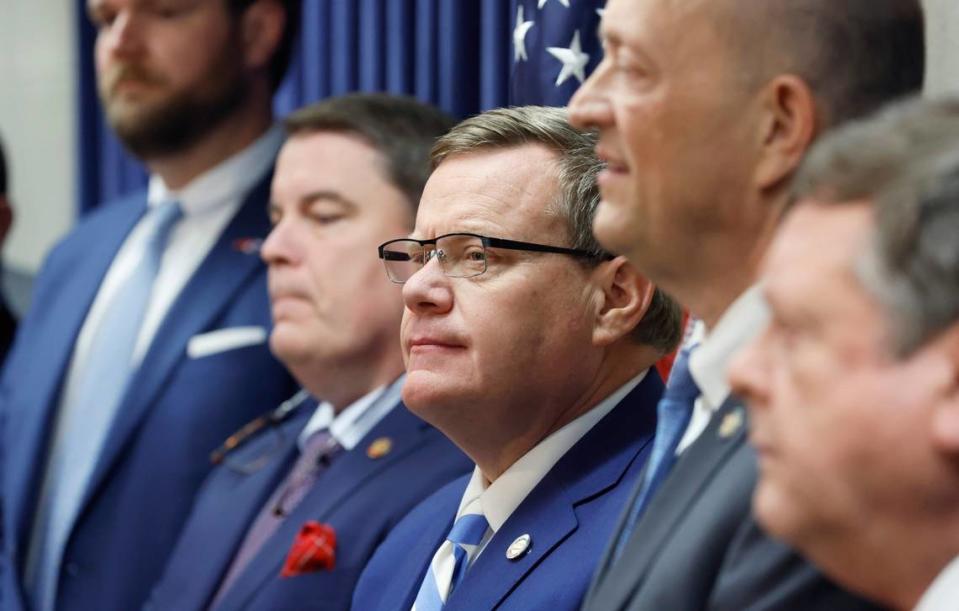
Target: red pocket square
313,550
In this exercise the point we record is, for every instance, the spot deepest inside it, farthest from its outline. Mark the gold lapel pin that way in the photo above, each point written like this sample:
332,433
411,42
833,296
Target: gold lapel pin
379,448
519,547
732,422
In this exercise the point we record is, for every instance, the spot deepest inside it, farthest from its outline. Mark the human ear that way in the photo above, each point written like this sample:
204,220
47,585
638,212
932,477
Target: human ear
786,130
262,26
625,295
945,420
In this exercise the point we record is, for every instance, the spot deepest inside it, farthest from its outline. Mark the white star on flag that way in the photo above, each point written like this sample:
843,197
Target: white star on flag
543,3
519,36
601,12
573,58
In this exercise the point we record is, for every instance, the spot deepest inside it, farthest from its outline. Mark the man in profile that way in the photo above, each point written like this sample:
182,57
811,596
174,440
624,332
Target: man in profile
146,342
349,177
853,389
705,109
532,349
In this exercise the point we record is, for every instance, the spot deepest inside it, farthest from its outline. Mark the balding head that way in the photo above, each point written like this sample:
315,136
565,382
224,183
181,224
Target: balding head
855,55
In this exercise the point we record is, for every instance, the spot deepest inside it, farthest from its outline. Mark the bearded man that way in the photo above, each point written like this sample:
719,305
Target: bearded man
146,343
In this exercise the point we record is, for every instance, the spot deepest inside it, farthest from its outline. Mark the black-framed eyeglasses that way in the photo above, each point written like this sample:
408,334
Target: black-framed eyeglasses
460,255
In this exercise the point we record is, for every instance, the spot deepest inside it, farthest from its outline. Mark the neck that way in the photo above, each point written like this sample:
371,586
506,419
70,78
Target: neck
228,138
343,384
496,451
726,264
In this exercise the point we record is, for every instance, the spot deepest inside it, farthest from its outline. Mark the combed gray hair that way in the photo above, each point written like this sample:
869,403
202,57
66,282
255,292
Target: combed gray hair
579,195
905,160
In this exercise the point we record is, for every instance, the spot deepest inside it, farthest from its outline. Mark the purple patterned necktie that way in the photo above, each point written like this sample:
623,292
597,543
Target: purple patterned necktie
319,451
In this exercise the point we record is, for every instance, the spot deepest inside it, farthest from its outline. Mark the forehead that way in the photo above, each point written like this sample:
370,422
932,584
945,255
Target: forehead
335,161
507,192
813,258
628,20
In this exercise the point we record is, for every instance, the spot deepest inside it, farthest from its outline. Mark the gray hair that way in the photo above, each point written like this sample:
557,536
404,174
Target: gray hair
905,161
577,168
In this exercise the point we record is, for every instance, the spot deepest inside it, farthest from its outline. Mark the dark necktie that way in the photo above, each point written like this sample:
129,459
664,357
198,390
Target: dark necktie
674,411
320,449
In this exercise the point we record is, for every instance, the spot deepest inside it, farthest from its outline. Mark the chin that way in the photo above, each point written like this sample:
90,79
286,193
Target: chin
775,513
427,396
610,228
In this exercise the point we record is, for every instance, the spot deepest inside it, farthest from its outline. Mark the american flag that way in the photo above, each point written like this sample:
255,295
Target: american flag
555,47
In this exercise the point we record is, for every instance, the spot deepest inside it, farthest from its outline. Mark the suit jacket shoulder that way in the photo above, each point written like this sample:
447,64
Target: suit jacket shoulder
567,516
177,408
699,547
361,496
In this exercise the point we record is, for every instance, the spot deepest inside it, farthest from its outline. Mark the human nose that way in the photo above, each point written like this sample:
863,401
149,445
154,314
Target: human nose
123,35
748,374
281,245
589,107
428,291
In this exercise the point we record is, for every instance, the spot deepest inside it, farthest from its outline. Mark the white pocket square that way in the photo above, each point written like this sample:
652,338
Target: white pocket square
222,340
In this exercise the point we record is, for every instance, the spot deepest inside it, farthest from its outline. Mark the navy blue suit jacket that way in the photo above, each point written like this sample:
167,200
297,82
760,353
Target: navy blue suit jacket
176,409
361,497
568,515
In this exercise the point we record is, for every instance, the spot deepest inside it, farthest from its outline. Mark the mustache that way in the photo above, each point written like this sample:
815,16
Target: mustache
119,73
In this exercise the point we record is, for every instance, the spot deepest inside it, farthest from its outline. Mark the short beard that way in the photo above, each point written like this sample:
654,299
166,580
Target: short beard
178,123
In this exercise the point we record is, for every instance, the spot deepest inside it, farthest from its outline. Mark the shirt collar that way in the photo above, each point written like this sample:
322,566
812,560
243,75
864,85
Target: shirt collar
353,423
740,323
224,183
501,498
941,594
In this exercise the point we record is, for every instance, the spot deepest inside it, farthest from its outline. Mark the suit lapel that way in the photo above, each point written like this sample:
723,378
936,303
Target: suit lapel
691,474
208,292
592,467
35,414
346,475
233,502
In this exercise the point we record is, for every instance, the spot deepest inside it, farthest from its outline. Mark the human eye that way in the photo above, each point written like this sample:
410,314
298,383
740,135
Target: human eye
101,16
474,254
325,213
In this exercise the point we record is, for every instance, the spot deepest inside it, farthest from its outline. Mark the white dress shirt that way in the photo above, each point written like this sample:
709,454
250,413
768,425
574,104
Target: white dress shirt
500,498
357,420
209,202
742,321
943,594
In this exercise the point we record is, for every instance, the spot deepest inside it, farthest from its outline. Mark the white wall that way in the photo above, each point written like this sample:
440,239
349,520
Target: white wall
37,117
942,37
37,123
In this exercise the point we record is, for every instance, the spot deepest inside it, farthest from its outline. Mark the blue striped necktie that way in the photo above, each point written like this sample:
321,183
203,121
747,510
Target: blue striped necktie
673,412
464,538
82,429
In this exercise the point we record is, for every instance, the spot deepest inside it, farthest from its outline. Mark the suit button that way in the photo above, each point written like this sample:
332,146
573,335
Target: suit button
72,569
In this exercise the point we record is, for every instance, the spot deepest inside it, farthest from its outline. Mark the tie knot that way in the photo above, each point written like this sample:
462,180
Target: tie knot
681,385
320,444
468,529
165,216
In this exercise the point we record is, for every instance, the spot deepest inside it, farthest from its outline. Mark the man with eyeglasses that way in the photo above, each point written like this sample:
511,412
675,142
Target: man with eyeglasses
305,494
531,348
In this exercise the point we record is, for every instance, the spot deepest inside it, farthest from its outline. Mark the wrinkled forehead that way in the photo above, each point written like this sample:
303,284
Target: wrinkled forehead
501,192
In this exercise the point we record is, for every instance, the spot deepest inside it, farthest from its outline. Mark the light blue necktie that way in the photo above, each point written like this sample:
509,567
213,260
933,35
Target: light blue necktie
86,421
674,411
467,531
